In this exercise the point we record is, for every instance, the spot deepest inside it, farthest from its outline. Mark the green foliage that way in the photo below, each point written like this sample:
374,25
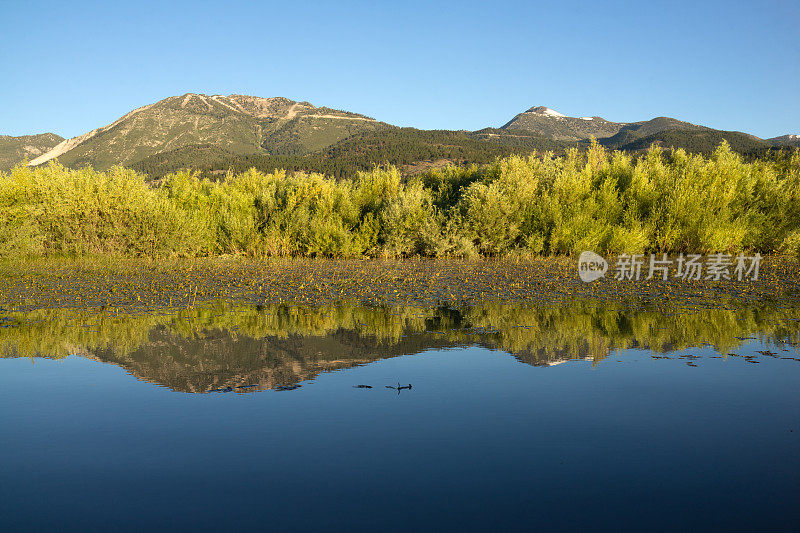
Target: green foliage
671,202
55,210
409,222
539,204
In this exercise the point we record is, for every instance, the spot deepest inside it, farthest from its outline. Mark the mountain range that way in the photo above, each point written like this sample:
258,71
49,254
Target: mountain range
213,133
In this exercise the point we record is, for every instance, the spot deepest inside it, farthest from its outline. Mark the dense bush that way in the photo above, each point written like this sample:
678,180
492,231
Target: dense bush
541,204
53,210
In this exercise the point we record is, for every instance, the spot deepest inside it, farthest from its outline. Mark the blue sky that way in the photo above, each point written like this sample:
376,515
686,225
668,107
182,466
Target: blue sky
70,67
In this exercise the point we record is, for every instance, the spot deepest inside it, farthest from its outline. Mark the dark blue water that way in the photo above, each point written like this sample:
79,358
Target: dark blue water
482,441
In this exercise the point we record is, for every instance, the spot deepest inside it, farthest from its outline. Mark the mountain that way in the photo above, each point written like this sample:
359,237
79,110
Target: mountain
16,149
633,136
236,123
785,140
552,124
217,133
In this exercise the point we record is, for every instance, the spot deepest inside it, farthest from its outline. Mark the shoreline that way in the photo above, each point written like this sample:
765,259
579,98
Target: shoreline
134,285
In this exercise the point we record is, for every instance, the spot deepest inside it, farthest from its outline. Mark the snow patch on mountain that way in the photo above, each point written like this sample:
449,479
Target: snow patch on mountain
541,110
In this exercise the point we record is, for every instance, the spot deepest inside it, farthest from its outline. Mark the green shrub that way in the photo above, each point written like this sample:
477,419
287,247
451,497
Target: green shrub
591,200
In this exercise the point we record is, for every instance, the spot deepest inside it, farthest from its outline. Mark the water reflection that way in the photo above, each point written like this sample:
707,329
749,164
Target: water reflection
227,348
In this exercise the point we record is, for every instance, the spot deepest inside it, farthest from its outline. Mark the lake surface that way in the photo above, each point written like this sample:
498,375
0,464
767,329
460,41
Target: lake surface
588,416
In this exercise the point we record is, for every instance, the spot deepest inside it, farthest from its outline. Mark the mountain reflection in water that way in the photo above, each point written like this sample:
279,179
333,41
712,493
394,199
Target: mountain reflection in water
224,347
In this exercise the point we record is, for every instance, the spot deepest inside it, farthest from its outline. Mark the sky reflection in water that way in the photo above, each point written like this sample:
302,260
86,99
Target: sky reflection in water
495,433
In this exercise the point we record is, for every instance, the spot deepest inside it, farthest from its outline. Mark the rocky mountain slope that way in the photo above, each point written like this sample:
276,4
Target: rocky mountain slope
237,123
16,149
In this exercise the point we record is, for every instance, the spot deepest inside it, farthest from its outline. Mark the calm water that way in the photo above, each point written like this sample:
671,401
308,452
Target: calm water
605,418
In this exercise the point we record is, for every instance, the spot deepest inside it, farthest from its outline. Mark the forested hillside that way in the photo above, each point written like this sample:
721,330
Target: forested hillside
401,147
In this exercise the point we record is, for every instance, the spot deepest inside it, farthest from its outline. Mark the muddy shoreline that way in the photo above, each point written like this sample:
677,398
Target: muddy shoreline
131,286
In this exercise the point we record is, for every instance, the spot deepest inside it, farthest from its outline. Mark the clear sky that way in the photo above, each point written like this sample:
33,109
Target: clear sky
70,66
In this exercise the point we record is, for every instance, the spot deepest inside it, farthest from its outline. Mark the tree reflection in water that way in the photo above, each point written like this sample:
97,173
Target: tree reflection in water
224,347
